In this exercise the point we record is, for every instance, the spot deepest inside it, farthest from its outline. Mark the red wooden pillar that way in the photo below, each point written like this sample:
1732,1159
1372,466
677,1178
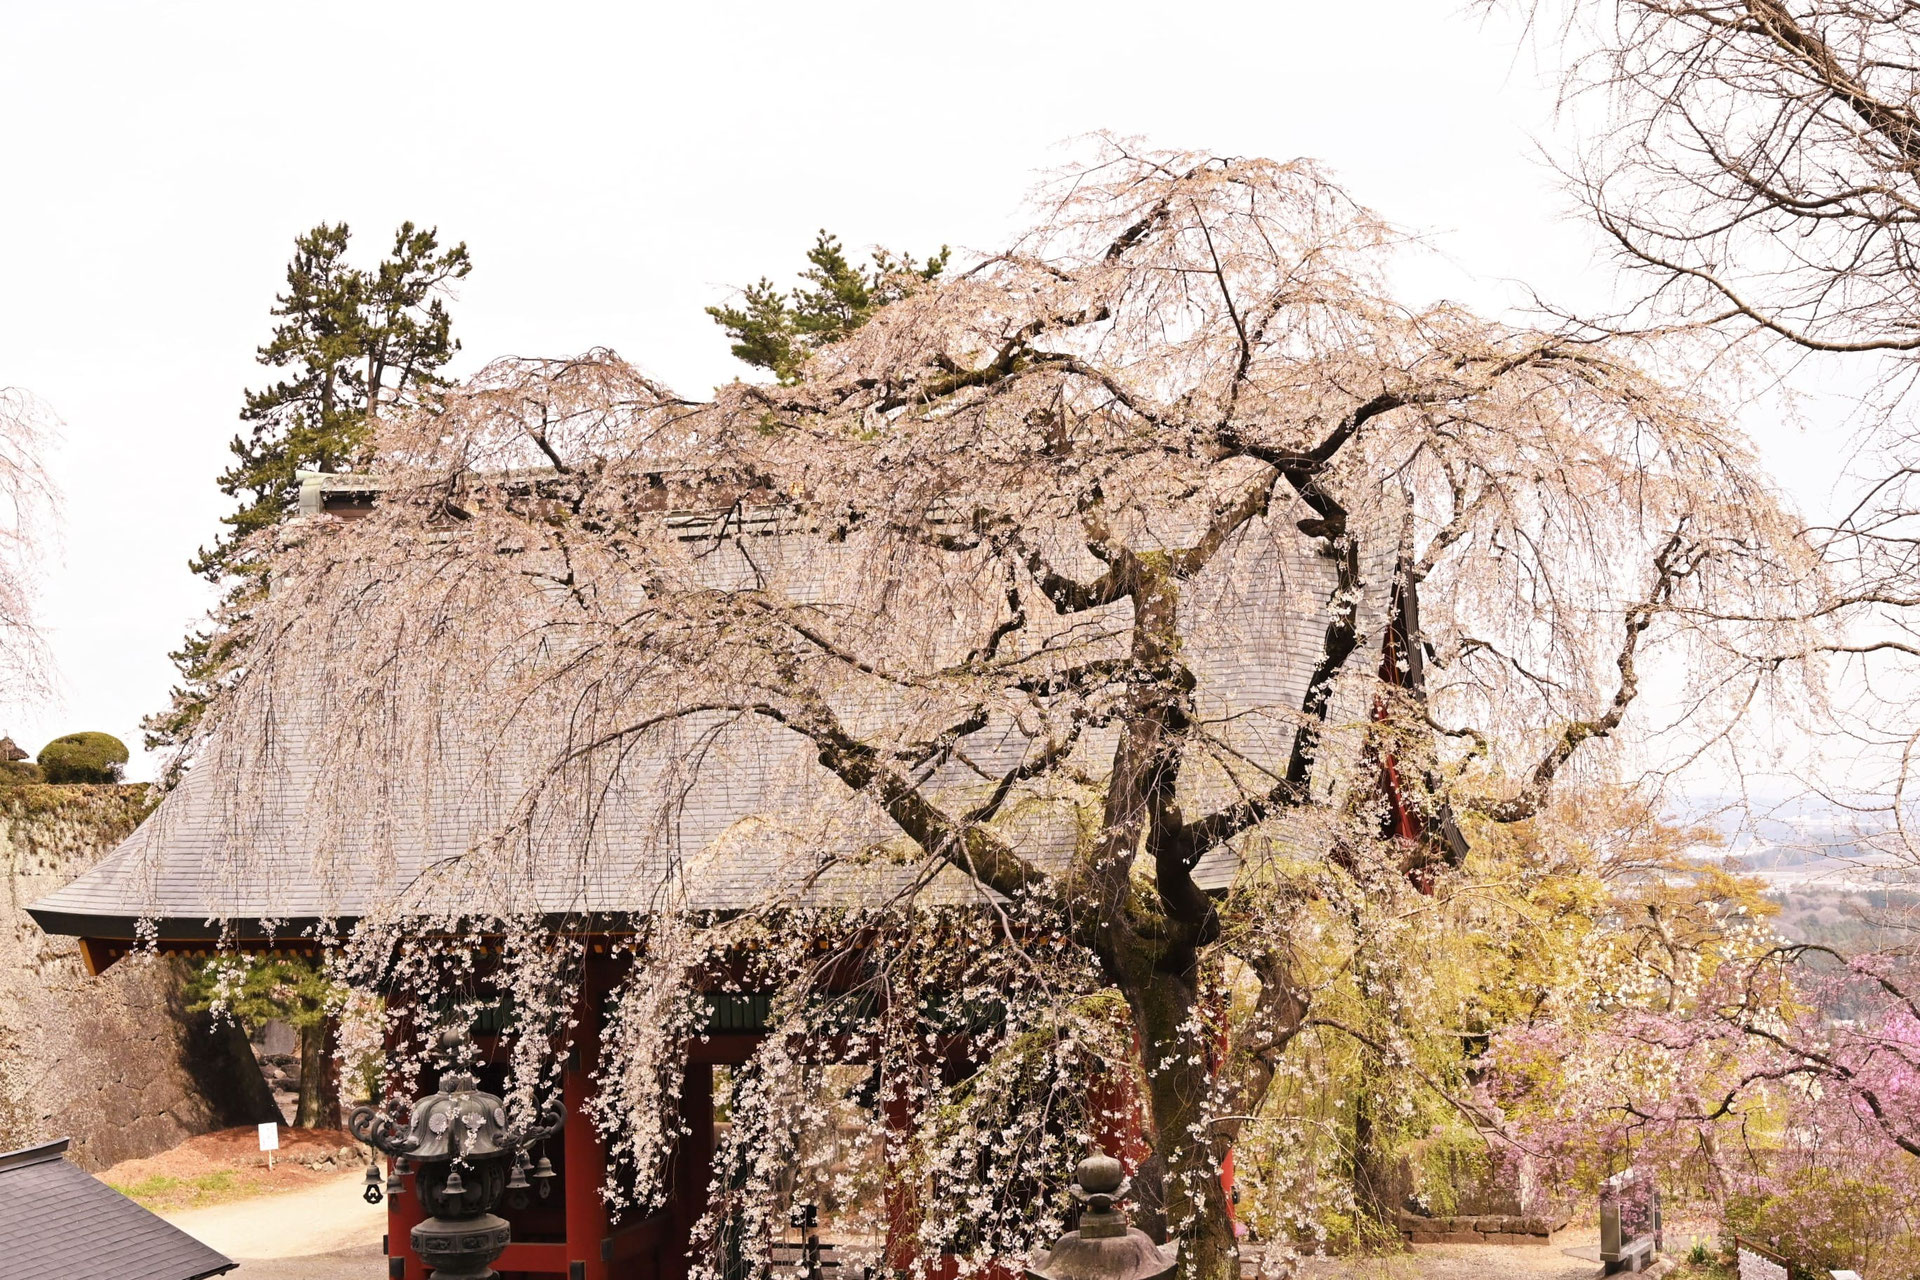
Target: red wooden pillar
584,1157
404,1213
1119,1122
902,1198
692,1168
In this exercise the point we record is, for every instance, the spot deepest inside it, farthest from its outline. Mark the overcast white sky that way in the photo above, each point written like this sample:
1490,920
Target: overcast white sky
614,168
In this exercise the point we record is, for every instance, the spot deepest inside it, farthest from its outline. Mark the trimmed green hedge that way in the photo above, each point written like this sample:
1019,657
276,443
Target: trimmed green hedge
83,757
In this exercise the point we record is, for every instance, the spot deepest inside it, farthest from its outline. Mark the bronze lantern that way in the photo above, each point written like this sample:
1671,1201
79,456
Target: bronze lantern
462,1154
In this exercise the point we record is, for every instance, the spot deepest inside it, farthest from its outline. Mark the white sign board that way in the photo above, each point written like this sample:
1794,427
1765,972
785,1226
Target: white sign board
270,1136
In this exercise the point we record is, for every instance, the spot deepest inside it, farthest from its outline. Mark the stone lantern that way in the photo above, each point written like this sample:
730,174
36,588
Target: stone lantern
461,1152
1105,1247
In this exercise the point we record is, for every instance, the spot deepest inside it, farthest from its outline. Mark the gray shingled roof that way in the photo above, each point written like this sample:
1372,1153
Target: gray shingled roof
240,843
59,1220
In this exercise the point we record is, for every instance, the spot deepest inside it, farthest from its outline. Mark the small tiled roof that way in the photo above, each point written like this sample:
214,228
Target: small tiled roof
59,1220
249,836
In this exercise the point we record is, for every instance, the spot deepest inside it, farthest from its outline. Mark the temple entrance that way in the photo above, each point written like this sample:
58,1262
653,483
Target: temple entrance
829,1217
833,1211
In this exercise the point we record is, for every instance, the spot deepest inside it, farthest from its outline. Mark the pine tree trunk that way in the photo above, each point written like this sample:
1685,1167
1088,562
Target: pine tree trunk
319,1104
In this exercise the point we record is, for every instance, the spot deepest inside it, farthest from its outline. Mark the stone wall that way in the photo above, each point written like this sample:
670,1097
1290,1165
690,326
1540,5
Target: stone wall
1485,1202
114,1062
1479,1228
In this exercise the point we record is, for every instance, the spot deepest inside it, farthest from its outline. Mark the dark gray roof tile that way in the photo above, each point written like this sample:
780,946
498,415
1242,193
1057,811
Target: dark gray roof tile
242,837
57,1220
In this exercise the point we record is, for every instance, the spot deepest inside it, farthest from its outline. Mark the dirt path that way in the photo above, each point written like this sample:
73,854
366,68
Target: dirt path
327,1232
360,1264
327,1218
1459,1262
217,1168
1573,1255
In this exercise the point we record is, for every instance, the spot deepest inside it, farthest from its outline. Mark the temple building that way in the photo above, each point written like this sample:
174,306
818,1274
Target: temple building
238,855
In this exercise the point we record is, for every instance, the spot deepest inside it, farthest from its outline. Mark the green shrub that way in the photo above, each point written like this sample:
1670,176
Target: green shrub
83,757
14,773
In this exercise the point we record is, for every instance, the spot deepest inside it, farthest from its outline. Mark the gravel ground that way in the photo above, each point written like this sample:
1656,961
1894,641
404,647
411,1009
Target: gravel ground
1432,1262
328,1233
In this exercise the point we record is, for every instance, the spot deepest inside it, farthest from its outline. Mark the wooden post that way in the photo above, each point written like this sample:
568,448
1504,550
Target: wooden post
584,1158
404,1211
902,1198
692,1168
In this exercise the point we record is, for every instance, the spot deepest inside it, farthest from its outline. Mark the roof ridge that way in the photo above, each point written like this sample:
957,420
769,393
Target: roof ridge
41,1154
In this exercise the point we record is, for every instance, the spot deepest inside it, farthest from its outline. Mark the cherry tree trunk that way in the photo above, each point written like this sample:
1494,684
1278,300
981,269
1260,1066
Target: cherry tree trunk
1180,1084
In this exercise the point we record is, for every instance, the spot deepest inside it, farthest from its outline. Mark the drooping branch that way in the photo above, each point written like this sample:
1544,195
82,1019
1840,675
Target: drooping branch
1817,60
1039,764
1259,1041
1460,521
1675,561
977,850
1196,837
972,848
1763,157
1742,307
1253,503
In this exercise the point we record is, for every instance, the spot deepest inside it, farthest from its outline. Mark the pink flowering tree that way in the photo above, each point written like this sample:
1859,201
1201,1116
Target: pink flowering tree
1069,609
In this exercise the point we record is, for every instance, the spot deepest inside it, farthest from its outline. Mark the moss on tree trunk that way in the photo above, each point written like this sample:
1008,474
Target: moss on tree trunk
1180,1083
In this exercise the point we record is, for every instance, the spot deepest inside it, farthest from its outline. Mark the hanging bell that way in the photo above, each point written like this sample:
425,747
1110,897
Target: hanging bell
518,1182
544,1175
454,1187
394,1185
372,1194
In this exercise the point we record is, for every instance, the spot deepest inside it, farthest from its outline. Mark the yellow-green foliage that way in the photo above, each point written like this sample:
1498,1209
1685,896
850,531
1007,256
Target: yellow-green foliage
119,807
1449,1163
1823,1219
165,1193
1595,907
1377,1097
46,828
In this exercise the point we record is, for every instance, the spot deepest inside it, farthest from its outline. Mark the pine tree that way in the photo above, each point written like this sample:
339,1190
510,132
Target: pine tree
293,989
352,344
777,331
